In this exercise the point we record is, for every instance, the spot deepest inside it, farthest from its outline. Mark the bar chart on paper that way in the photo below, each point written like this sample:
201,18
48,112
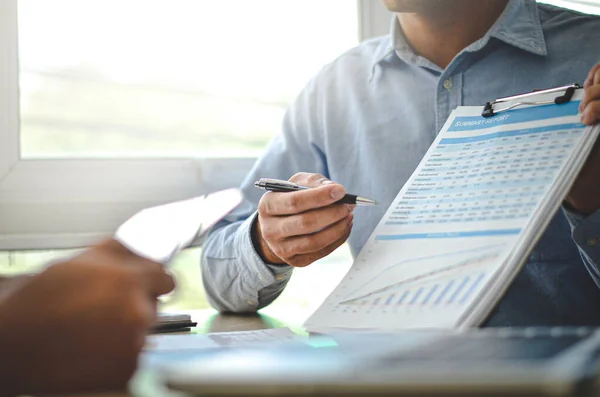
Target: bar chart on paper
448,285
455,291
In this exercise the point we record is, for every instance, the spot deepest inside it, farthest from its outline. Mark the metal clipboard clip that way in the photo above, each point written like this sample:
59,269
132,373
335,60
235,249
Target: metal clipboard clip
568,91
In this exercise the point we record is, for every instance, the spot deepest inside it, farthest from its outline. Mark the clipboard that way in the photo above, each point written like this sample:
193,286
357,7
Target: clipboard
464,224
567,94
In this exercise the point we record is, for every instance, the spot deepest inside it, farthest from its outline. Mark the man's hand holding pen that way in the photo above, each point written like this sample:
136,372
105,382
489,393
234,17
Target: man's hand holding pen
301,227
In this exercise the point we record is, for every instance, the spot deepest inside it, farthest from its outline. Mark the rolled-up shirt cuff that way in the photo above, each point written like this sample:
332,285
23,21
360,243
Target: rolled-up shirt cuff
586,232
267,274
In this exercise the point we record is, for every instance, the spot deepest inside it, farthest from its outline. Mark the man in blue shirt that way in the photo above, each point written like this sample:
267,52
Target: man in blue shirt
366,120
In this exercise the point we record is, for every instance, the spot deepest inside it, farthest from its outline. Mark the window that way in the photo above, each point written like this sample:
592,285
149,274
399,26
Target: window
182,78
587,6
109,106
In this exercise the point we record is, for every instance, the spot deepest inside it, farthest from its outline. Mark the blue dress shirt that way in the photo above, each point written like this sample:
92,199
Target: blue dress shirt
367,119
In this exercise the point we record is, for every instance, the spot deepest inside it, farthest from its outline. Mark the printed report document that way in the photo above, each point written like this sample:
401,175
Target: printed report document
462,226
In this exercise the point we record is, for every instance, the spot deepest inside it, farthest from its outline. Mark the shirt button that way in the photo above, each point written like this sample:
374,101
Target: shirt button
592,242
250,303
280,277
448,84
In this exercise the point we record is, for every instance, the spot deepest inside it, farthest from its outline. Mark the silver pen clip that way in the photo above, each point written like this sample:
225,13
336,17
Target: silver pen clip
265,183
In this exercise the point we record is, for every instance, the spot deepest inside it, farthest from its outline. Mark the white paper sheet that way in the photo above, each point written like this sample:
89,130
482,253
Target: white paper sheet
159,233
189,342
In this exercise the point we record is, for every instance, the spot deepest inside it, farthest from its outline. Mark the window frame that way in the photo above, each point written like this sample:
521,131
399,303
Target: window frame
69,203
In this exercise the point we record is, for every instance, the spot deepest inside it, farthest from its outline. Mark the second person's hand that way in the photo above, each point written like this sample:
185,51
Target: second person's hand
80,324
301,227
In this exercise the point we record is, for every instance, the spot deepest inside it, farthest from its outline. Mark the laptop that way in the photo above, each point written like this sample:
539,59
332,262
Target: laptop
482,362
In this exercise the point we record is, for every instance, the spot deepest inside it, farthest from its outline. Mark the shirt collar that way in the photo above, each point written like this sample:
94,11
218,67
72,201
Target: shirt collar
386,46
519,26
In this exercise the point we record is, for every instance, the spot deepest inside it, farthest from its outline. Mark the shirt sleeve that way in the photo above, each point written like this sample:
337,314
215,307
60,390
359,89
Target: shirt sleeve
235,277
586,234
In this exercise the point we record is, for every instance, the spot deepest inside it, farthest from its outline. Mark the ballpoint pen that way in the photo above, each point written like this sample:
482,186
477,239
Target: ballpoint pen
276,185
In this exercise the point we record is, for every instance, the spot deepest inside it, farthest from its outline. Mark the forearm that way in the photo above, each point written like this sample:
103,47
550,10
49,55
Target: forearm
235,277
